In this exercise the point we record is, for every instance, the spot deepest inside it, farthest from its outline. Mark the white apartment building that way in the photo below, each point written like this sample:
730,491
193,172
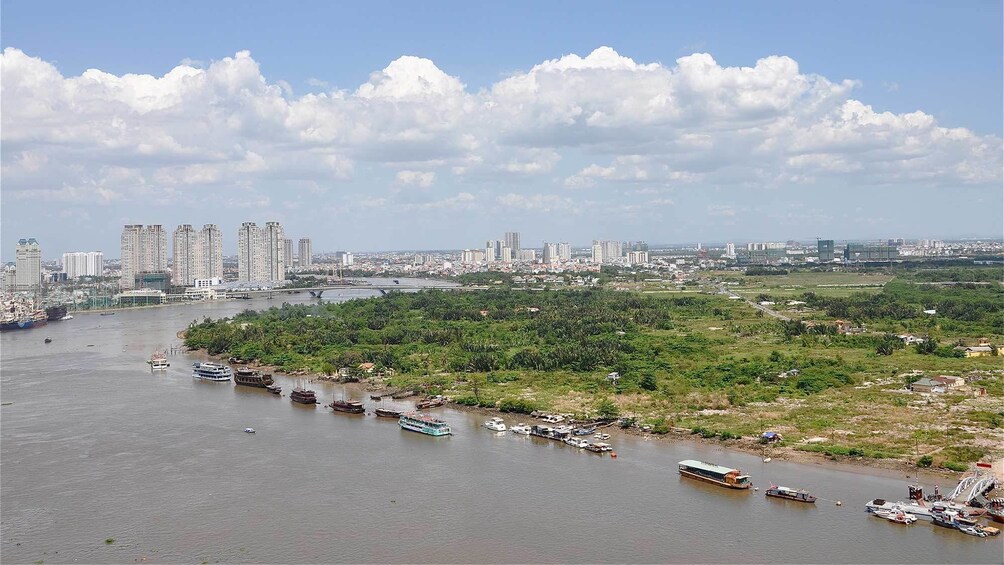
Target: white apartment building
565,251
306,252
606,251
144,249
250,253
275,251
287,253
185,250
637,257
550,253
28,265
209,253
78,264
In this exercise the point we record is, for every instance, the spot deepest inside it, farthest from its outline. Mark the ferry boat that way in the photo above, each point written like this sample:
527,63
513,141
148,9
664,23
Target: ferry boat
350,406
388,413
715,474
303,396
250,377
212,371
790,494
158,361
424,424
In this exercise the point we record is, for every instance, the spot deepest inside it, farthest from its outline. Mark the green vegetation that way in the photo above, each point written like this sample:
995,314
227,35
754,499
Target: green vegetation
702,362
109,541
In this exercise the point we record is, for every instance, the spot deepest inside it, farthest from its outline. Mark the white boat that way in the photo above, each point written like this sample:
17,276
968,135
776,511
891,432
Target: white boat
521,429
576,442
158,361
896,515
496,424
973,531
602,437
249,430
562,430
917,508
67,317
212,371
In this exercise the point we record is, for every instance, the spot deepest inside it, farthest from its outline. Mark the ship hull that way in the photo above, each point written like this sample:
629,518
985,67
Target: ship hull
22,325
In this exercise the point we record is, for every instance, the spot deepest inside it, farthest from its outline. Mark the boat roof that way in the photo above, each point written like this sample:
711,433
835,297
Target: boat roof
708,466
422,418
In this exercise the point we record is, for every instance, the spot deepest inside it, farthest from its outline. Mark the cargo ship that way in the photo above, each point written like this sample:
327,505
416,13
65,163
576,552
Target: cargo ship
715,474
17,318
54,313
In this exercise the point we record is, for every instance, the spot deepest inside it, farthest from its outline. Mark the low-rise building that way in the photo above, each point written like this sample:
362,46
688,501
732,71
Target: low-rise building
977,351
927,385
949,381
141,297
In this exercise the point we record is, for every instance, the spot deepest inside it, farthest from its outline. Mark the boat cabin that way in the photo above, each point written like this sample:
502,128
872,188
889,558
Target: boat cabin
708,472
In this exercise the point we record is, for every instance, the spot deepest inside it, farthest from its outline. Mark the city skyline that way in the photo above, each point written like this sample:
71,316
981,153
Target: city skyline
681,131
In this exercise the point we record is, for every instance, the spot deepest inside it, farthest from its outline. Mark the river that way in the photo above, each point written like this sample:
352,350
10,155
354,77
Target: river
93,446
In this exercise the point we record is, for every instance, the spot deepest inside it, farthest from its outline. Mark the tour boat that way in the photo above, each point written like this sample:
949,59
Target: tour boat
715,474
789,494
599,447
495,424
252,378
521,429
158,361
303,396
424,424
350,406
212,371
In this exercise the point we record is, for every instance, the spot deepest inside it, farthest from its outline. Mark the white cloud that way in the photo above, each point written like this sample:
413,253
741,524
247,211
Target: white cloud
422,179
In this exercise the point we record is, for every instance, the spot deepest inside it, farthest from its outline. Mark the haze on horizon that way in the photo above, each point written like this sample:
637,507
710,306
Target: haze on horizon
658,123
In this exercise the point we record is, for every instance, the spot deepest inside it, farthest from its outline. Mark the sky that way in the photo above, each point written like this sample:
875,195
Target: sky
440,125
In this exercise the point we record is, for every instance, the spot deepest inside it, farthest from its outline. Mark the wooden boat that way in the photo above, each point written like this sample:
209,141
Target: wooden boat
252,378
715,474
303,396
349,406
434,402
790,494
387,413
403,394
274,389
376,397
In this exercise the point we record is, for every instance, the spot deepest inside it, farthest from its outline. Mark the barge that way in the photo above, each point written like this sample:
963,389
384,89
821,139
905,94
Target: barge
715,474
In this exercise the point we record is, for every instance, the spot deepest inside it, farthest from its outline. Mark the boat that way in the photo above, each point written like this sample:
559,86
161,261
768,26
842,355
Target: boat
990,530
158,361
252,378
249,430
789,494
303,396
714,474
434,402
601,437
376,397
521,429
576,442
55,313
918,508
599,447
349,406
424,424
22,319
995,514
108,313
48,340
973,531
542,431
403,394
387,413
495,424
951,519
274,389
584,431
212,371
896,515
67,317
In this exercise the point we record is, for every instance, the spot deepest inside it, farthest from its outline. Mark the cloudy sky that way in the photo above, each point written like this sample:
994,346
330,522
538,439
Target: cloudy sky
393,125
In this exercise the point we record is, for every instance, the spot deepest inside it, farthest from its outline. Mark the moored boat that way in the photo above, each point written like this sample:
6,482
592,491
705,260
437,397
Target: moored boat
897,516
274,389
348,406
521,429
995,514
403,394
786,493
303,396
434,402
212,372
158,361
387,413
599,447
584,431
495,424
252,378
55,313
714,474
424,424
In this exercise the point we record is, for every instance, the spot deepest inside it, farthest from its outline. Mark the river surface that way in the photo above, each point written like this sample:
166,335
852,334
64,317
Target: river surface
94,446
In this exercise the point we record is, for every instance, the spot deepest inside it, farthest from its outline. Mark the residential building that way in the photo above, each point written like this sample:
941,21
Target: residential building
730,250
927,385
210,282
550,255
143,250
306,254
28,265
78,264
637,257
275,251
862,252
565,251
490,256
512,241
345,258
250,253
287,253
506,255
824,250
209,253
184,266
131,246
982,350
606,251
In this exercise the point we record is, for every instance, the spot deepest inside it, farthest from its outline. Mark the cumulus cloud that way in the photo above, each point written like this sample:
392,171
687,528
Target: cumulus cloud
601,119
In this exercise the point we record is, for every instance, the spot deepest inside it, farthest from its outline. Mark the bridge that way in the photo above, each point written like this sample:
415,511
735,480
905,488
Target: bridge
318,291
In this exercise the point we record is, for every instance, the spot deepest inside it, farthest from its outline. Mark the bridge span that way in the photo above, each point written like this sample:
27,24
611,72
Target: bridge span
318,291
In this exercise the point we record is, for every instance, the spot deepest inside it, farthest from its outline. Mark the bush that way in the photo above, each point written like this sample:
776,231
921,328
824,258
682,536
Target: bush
728,435
518,405
925,461
955,466
466,400
661,426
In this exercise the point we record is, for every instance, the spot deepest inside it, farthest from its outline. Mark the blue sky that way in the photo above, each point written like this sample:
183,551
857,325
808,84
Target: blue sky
368,169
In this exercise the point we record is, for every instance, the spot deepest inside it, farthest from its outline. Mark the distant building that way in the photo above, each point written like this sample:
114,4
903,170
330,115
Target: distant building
78,264
144,250
344,258
185,246
565,251
275,251
28,261
862,252
550,253
250,253
927,385
306,252
287,253
152,280
512,240
977,350
141,297
730,250
605,251
637,257
824,250
209,253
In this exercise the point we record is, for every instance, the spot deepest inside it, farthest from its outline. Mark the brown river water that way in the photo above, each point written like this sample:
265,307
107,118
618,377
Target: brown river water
95,446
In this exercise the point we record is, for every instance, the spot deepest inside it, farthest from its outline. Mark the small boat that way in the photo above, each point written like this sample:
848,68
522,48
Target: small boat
995,514
584,431
303,396
108,313
576,442
495,424
896,515
973,531
601,437
67,317
387,413
521,429
274,389
434,402
48,340
789,494
349,406
158,361
599,447
249,430
990,530
376,397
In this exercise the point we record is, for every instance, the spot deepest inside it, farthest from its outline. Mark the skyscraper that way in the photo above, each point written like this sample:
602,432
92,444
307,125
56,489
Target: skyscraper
28,262
287,252
274,247
565,251
185,251
512,241
730,250
824,248
131,243
550,255
78,264
144,250
209,253
250,253
306,252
